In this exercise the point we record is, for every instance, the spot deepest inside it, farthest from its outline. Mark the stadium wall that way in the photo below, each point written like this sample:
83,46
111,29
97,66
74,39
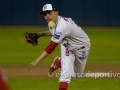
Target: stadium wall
84,12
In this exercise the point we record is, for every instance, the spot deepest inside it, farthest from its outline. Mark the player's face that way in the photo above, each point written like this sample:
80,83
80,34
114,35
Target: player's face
51,16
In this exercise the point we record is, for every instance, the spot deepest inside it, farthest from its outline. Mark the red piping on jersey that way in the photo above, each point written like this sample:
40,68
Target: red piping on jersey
51,47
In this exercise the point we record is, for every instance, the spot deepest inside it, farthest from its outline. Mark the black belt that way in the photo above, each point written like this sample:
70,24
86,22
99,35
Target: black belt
82,47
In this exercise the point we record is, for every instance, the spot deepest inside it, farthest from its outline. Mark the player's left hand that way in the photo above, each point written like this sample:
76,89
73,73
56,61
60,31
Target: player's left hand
31,38
31,66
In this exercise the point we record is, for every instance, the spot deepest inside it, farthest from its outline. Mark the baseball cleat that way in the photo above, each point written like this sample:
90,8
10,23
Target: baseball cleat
55,65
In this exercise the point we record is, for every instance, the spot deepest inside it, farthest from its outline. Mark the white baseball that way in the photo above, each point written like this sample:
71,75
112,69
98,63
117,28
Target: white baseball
51,24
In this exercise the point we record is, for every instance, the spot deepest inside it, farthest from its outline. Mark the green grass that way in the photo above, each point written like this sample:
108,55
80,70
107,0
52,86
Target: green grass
52,84
105,43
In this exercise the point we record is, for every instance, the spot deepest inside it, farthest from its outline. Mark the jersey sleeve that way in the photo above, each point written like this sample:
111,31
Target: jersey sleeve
51,47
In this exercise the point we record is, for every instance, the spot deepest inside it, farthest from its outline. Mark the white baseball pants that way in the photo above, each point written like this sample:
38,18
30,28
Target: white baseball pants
72,63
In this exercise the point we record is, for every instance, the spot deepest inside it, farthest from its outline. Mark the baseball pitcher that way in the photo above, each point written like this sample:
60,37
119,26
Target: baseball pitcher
75,45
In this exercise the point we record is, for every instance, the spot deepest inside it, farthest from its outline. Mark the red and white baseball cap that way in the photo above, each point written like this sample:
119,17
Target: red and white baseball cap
48,7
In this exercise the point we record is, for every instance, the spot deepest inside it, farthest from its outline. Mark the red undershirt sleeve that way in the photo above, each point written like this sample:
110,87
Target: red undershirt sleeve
51,47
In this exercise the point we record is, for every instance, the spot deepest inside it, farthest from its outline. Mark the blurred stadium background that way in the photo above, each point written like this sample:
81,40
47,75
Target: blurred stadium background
84,12
99,18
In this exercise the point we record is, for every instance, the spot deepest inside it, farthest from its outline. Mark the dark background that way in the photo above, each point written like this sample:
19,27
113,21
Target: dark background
84,12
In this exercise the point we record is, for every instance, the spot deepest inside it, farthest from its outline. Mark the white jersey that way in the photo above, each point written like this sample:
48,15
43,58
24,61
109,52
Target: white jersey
69,34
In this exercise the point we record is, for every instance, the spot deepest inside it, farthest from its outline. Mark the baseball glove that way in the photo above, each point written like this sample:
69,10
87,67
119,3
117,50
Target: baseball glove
31,38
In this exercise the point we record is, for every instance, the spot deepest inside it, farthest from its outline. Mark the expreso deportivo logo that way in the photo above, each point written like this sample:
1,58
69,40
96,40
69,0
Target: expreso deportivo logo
87,75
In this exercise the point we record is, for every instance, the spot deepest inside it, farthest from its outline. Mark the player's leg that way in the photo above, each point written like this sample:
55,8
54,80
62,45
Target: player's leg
67,61
55,65
80,61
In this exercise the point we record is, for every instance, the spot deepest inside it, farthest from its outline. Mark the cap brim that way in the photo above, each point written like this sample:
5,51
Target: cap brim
42,12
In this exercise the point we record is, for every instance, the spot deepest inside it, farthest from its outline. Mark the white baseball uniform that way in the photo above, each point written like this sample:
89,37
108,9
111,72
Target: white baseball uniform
75,45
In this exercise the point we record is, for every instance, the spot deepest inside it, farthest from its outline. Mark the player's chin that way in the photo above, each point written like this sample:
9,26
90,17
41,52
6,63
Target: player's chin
48,20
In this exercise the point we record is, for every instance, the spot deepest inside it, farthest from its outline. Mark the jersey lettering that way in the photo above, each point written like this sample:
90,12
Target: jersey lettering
71,21
67,52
